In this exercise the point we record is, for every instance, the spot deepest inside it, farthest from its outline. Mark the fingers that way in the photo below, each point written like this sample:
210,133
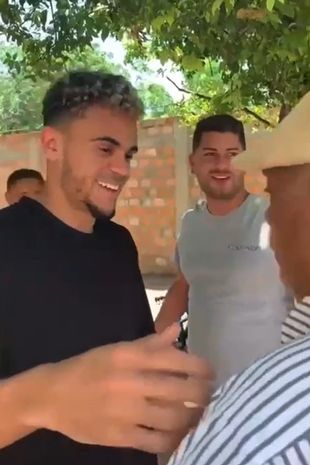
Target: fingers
154,441
174,361
168,417
161,387
157,353
164,339
174,389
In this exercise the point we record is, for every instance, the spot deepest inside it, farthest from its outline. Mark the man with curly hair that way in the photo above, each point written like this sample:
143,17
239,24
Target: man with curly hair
76,387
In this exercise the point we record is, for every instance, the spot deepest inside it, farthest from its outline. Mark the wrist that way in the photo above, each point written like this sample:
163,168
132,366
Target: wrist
24,398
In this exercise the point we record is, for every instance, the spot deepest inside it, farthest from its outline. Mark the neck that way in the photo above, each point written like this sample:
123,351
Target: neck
221,207
56,202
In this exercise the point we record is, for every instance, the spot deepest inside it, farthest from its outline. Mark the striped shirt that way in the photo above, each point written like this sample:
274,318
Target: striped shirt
259,417
297,323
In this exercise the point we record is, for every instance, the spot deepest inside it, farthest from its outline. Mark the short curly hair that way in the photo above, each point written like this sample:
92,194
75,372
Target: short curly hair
75,92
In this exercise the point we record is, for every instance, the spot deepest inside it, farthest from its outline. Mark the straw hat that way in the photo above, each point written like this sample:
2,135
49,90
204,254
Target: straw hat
288,144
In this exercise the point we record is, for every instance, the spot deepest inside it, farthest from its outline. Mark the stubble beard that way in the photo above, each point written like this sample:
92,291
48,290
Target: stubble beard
97,213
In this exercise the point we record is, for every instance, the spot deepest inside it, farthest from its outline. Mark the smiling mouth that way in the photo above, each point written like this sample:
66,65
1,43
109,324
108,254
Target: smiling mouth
108,186
219,177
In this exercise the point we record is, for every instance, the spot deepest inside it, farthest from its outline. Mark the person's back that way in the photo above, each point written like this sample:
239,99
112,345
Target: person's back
236,300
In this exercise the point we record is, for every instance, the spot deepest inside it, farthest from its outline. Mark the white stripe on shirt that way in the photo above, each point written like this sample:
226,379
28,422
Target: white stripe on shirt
297,323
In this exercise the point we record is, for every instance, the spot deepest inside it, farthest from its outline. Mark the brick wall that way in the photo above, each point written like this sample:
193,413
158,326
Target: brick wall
161,187
147,206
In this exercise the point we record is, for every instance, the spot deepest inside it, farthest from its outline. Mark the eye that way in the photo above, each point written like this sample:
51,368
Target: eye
233,154
106,150
209,154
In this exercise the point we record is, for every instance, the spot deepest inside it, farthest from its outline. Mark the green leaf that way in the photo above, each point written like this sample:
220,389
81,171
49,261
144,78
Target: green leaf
158,22
170,16
164,56
270,4
191,63
216,6
229,5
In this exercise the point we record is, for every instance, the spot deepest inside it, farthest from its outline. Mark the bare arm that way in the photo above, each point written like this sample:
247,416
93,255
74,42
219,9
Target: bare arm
17,395
175,304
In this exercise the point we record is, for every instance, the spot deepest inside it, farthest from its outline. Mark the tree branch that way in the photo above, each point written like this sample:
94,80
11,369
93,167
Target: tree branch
258,117
206,97
53,18
187,91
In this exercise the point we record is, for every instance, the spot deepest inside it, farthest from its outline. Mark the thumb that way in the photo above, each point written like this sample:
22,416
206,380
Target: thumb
166,338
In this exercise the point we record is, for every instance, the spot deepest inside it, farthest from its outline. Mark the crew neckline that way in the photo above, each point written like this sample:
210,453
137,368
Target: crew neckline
233,214
57,222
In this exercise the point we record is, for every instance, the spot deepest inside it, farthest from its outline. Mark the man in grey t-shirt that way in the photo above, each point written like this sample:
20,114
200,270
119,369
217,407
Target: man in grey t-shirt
228,277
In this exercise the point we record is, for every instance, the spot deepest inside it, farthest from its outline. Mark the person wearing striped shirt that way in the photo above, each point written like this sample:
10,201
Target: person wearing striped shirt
262,415
297,322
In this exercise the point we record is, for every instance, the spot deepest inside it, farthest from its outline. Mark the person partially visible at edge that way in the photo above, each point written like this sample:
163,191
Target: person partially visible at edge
262,416
228,276
24,182
76,388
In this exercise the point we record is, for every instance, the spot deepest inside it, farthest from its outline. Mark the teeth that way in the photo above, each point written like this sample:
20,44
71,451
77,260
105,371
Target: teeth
112,187
221,177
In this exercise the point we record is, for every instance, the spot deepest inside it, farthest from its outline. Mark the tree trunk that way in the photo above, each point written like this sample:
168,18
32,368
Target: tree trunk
284,111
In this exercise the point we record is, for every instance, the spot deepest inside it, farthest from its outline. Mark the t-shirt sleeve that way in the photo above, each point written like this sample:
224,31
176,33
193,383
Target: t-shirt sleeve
4,358
177,257
146,322
177,252
4,350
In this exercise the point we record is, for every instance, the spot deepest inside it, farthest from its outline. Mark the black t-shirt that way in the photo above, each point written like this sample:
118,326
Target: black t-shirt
63,292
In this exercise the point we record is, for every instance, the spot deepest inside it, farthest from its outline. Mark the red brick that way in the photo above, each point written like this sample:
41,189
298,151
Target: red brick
149,152
159,202
143,163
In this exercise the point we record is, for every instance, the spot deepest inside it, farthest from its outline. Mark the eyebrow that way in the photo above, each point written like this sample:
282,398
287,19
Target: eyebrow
114,142
212,149
106,139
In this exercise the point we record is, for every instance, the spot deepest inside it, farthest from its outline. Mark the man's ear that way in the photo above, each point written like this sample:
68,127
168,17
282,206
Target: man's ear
191,162
7,198
52,144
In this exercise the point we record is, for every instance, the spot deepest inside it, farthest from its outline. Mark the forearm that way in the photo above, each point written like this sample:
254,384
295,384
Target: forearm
21,398
174,306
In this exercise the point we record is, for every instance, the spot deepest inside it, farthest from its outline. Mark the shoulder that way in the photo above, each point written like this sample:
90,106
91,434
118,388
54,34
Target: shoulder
118,234
13,217
253,406
191,215
258,203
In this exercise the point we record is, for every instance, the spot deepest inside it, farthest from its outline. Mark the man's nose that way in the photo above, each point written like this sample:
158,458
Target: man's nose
223,163
120,165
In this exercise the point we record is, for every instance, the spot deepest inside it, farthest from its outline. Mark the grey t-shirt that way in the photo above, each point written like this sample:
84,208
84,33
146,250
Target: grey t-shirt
237,302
